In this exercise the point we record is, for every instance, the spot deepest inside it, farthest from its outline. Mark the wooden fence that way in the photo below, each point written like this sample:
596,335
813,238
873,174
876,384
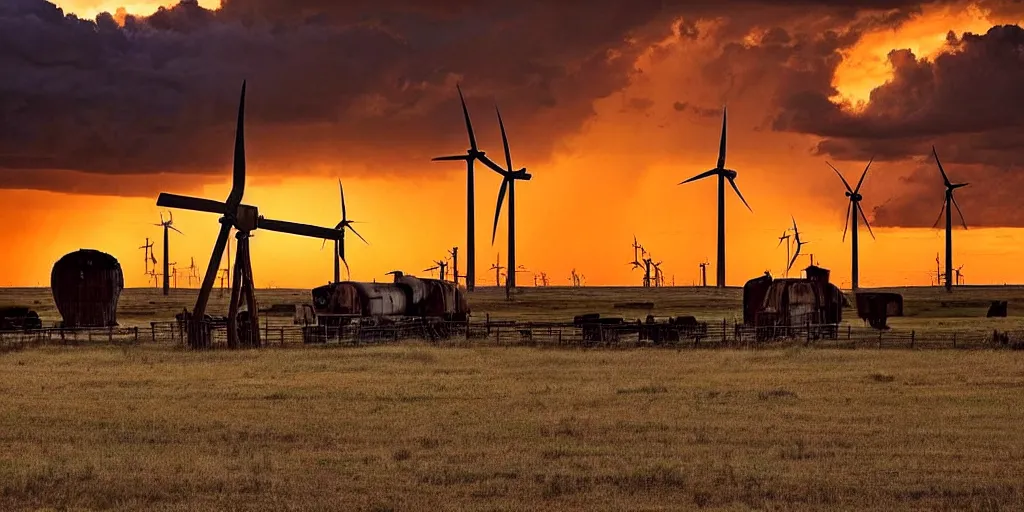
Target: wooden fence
280,332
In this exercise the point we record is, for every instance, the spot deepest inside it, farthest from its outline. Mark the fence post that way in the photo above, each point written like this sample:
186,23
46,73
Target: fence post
954,340
849,332
879,338
110,334
913,334
282,336
136,335
723,331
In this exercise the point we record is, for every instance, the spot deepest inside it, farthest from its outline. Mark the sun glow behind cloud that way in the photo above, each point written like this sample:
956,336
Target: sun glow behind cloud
88,9
866,65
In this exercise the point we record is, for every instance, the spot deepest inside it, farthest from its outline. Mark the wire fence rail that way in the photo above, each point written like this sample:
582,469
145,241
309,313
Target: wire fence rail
281,332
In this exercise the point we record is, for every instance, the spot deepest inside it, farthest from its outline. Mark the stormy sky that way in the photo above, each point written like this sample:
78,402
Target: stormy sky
98,105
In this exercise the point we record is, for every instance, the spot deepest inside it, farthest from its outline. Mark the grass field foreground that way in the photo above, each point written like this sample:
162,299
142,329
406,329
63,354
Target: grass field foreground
413,428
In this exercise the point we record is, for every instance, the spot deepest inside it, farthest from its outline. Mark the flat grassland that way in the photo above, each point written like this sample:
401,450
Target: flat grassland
413,427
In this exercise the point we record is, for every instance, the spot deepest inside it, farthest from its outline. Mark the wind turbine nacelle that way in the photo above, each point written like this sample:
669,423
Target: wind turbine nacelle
246,218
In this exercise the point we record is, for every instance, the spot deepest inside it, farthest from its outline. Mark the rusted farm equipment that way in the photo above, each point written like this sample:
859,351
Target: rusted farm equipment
781,308
19,318
428,306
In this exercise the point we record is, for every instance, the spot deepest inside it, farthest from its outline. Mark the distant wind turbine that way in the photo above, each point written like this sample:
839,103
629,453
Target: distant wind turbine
947,205
853,212
723,175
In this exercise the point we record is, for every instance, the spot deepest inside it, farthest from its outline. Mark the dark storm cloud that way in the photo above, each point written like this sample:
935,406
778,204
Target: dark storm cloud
966,102
356,81
360,82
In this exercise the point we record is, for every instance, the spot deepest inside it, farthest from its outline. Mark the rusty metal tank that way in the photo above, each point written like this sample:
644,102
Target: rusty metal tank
86,285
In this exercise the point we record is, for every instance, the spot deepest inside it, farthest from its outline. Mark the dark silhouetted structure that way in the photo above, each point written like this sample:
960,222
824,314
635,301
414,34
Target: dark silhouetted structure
86,286
723,174
947,206
19,318
853,212
997,309
242,327
877,307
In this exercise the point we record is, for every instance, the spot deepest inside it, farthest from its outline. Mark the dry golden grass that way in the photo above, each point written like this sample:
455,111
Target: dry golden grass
414,428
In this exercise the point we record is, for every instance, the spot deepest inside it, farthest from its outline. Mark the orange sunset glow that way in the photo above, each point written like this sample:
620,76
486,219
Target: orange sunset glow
601,181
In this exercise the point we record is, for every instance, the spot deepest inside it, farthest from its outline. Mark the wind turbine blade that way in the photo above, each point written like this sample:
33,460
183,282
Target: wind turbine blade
189,203
945,179
323,244
848,189
349,226
504,141
493,166
348,271
497,211
792,261
939,218
865,219
846,226
721,147
238,171
957,206
862,176
734,187
448,158
469,124
172,228
344,212
701,176
295,228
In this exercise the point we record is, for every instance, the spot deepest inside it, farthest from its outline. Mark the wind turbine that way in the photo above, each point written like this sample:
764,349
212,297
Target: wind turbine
785,238
799,243
339,244
472,155
508,182
497,268
167,225
148,255
947,206
853,211
723,175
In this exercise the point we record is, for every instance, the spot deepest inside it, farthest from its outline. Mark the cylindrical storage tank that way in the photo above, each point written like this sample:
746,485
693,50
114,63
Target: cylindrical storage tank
86,286
382,299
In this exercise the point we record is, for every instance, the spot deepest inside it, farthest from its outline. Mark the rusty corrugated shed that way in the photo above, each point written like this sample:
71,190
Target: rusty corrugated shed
86,285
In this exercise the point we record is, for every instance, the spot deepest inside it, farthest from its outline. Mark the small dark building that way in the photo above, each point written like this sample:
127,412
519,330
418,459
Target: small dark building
877,307
86,286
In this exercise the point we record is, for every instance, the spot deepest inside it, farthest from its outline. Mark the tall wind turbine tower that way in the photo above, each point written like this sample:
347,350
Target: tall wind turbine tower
948,204
508,182
853,212
167,225
472,155
723,175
